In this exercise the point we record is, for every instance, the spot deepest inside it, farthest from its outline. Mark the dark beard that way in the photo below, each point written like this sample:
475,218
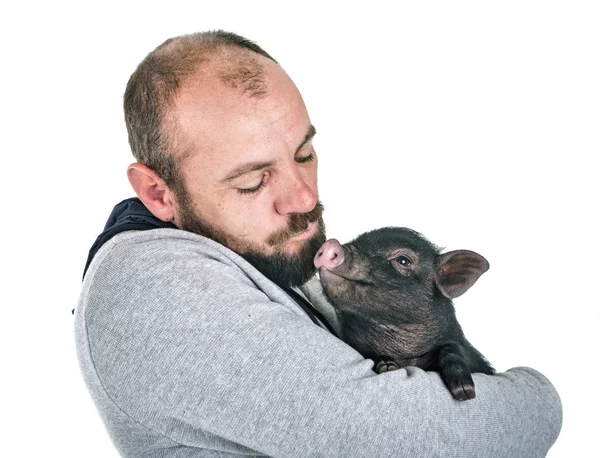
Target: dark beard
282,269
289,270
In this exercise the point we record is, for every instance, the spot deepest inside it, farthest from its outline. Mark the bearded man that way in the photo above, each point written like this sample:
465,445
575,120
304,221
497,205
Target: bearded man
192,335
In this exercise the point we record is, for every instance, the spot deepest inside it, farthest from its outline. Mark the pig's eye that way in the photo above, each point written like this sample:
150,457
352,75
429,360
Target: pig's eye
402,260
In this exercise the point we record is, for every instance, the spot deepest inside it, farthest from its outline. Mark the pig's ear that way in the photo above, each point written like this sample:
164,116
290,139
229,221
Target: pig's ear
458,271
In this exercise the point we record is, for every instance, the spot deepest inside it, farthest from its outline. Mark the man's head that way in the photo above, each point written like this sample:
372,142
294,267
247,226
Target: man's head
224,149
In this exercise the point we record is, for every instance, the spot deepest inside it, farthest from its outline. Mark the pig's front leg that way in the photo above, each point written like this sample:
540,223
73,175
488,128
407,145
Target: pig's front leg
385,364
455,372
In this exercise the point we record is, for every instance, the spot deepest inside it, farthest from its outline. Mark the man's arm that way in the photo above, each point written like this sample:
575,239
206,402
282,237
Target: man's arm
195,345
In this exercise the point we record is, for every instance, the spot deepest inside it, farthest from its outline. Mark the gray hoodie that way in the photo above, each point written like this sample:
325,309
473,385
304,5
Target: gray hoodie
188,351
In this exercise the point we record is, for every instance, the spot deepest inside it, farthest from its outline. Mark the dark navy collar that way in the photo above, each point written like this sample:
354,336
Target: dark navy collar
129,215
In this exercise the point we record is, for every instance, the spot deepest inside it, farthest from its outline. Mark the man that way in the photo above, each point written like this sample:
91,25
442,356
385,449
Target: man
190,338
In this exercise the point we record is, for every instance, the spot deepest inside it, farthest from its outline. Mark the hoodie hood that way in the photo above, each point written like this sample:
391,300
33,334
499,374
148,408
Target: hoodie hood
132,215
128,215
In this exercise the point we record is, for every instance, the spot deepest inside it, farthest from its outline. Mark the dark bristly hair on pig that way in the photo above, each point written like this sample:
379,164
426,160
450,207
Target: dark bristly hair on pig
392,290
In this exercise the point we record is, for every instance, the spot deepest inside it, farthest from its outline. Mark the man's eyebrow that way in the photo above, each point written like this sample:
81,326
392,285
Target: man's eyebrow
247,168
253,166
309,135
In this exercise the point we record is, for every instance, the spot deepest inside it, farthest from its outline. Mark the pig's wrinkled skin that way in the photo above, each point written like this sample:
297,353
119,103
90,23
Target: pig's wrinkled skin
392,290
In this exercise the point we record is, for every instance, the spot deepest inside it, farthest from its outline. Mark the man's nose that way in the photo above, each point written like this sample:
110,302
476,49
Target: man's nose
296,196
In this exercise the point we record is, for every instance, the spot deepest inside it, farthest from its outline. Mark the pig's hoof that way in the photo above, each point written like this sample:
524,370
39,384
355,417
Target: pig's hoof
385,364
462,390
457,378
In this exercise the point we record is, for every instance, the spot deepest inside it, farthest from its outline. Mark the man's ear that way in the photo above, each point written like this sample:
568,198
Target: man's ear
152,191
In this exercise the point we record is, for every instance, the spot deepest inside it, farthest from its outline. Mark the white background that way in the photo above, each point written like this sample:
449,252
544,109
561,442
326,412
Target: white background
476,123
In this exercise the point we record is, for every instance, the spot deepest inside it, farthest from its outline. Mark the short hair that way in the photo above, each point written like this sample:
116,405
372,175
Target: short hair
153,86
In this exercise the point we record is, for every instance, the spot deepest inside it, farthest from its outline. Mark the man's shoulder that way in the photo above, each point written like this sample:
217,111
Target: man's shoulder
146,266
149,265
129,249
160,237
151,273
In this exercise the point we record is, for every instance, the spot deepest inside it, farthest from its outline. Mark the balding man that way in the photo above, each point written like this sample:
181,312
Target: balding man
193,337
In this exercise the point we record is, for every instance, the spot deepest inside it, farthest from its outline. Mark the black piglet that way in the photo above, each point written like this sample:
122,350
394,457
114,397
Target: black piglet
392,290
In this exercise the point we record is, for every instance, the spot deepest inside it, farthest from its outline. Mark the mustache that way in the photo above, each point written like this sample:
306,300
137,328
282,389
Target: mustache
298,223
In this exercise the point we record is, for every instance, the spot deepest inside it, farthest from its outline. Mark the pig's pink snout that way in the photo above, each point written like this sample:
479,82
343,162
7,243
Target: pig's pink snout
330,255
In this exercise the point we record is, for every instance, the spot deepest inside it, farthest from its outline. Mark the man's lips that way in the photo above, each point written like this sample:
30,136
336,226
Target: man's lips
306,234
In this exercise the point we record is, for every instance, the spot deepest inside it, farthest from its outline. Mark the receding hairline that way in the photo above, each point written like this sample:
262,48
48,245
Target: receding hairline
211,41
236,67
235,61
242,82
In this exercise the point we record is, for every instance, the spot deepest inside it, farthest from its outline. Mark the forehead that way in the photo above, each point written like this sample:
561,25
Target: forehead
385,240
222,125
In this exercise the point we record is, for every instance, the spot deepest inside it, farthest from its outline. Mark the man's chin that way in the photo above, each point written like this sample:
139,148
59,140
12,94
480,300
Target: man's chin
294,248
290,265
